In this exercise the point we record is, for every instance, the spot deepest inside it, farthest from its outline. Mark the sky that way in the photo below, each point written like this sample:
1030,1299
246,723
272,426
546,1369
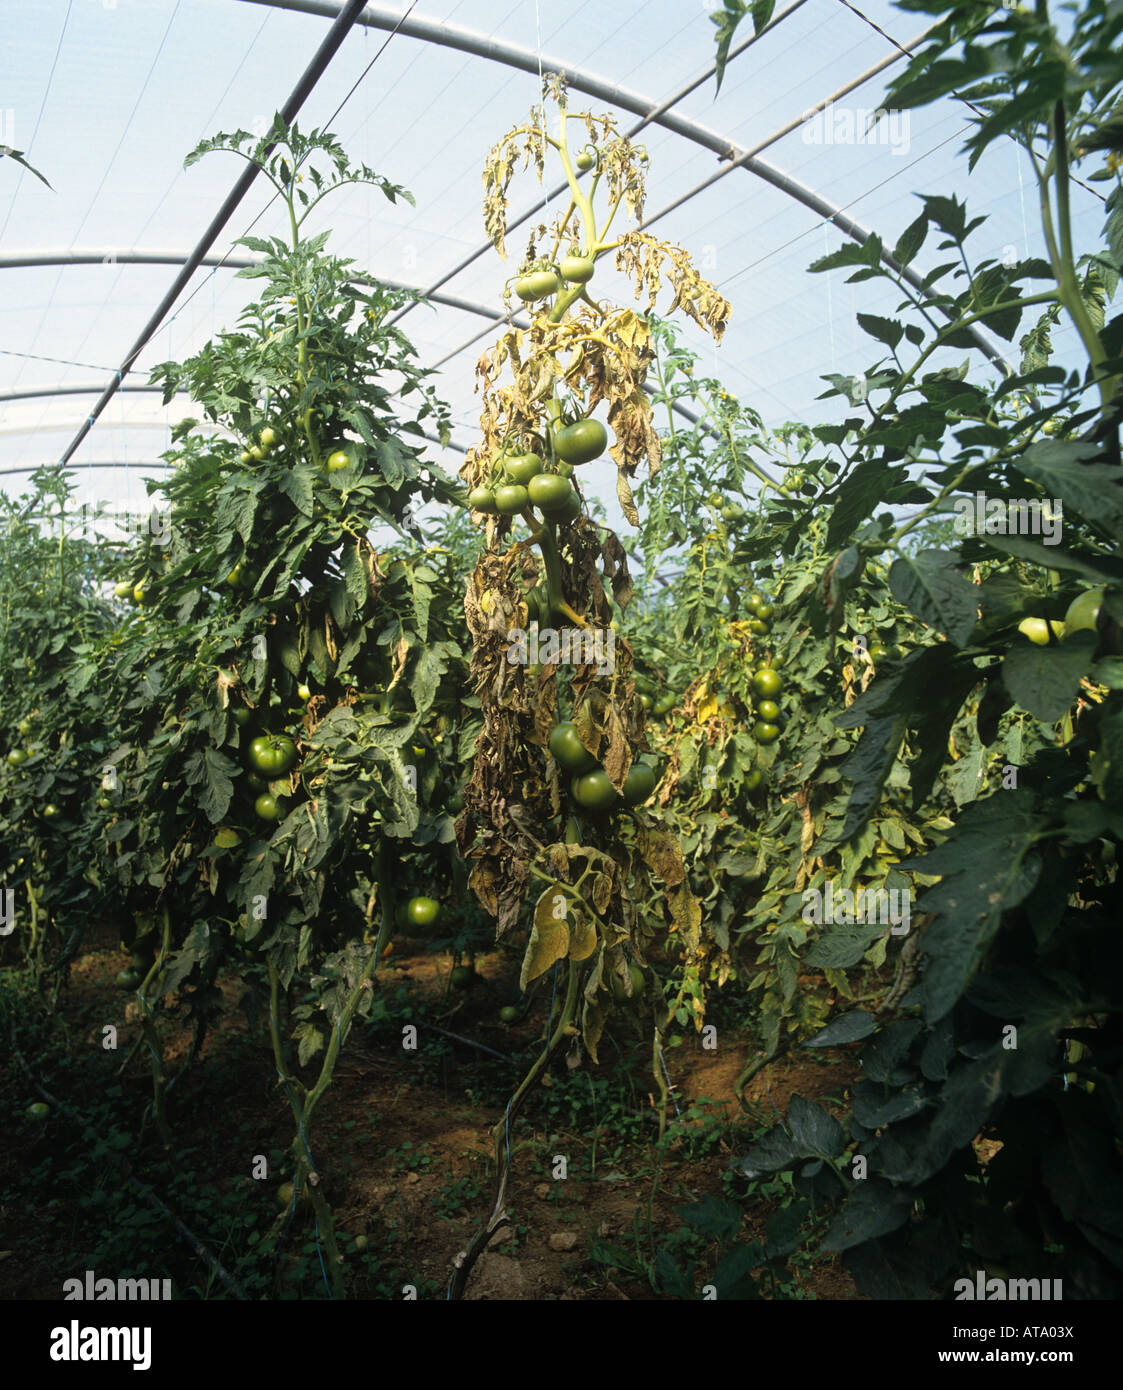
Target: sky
108,96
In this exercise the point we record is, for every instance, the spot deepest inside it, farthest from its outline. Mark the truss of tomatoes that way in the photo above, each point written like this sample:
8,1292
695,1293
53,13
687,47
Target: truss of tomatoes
589,785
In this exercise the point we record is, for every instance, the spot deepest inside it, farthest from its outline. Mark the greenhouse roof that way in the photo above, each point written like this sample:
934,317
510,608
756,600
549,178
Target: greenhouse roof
106,97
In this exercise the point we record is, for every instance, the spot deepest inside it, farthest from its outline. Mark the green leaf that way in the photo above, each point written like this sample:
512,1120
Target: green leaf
17,155
887,331
841,948
813,1130
1090,489
1046,680
296,483
847,1028
713,1216
1097,567
911,240
986,866
932,587
873,1209
867,767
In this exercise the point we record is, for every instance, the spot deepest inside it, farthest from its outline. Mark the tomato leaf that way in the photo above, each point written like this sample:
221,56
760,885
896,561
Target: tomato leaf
930,584
549,936
986,867
1046,680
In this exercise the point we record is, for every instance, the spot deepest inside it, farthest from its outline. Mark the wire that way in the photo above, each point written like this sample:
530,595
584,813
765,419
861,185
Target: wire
60,361
39,117
327,123
955,95
652,115
112,160
328,48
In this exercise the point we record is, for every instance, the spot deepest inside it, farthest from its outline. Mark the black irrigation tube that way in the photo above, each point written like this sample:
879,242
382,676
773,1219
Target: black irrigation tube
344,22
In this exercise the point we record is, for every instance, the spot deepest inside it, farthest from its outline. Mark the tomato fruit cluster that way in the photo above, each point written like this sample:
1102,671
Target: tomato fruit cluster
589,785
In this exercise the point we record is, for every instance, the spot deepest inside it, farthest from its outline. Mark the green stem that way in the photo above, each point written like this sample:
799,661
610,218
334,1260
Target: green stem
498,1216
1064,265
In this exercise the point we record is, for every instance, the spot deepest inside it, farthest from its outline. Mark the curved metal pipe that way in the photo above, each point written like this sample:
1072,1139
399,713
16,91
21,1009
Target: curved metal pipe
526,60
23,260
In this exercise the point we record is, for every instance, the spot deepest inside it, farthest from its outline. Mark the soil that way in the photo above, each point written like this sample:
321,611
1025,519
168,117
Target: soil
401,1143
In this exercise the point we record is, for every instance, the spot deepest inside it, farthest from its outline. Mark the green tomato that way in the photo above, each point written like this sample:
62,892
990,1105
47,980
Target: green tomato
17,757
462,977
568,751
256,452
586,159
50,810
482,499
759,627
536,284
768,710
123,590
38,1111
511,499
578,270
663,705
522,467
550,493
566,513
237,578
129,979
645,701
140,592
268,807
755,780
303,693
360,1243
241,714
272,755
767,683
764,611
764,732
245,456
508,1014
422,912
338,461
1041,631
268,437
754,600
594,791
580,442
1083,612
639,784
